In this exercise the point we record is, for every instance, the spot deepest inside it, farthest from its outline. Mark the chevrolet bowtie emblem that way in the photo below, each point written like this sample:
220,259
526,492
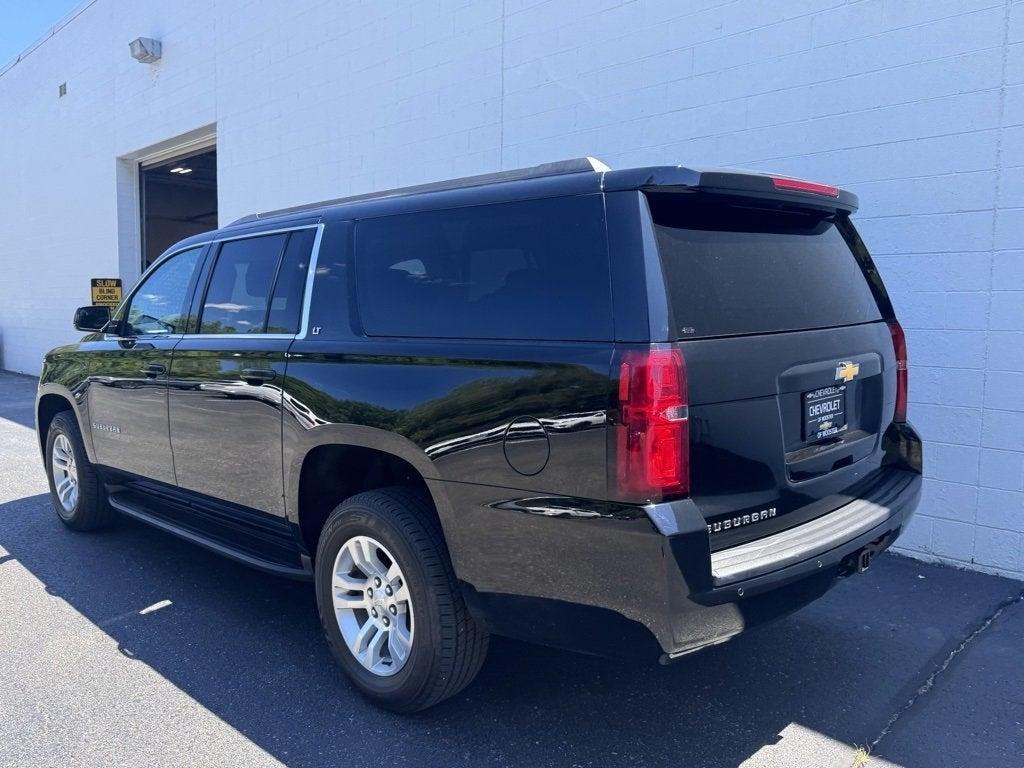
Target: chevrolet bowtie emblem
847,371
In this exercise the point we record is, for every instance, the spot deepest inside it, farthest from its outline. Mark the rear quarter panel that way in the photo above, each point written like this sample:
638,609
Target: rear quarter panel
447,408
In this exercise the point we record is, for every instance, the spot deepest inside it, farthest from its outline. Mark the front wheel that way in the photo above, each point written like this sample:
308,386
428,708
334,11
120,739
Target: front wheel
75,486
389,602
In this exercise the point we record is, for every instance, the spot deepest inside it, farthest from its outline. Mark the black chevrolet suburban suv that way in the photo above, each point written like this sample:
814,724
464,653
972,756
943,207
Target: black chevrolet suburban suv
622,412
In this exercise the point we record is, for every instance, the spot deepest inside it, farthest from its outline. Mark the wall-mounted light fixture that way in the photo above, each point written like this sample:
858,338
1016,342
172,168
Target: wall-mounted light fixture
145,49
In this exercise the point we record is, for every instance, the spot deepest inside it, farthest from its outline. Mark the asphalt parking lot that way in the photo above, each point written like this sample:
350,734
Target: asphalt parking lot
919,663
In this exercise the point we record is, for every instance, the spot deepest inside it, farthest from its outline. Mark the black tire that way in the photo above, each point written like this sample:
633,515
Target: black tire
90,511
448,646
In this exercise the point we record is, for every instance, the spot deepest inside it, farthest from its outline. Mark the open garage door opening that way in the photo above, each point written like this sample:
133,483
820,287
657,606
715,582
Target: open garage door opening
178,199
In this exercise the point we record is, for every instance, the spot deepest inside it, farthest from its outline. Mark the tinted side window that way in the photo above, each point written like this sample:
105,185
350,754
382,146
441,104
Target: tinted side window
286,304
535,269
158,307
237,297
738,269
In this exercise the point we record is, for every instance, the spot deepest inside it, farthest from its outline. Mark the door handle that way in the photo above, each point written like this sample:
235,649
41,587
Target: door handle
154,369
257,376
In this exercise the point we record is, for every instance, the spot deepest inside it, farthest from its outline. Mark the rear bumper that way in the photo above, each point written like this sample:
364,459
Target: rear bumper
647,585
816,537
770,577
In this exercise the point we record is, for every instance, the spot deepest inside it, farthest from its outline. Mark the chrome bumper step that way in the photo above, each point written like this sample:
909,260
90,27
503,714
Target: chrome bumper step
812,538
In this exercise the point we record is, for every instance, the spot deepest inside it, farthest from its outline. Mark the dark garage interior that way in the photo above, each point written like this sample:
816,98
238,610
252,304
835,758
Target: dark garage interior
178,199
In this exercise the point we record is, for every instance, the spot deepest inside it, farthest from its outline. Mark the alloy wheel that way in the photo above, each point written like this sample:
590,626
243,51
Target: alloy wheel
65,472
372,605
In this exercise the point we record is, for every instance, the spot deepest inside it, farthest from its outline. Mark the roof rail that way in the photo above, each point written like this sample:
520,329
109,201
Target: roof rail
557,168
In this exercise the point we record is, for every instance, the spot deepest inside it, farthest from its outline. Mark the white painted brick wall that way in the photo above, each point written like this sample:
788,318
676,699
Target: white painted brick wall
917,105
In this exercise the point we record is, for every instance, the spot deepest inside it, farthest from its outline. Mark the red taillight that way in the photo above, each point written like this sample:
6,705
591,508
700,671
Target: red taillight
654,435
799,185
899,346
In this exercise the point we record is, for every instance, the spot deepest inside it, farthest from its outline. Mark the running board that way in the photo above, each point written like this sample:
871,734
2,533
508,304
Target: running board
268,566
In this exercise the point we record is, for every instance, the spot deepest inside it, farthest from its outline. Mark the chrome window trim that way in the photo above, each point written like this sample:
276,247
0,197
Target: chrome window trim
308,290
238,336
143,337
262,232
310,279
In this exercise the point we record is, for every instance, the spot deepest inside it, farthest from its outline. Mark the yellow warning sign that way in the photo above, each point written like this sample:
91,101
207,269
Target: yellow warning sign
106,291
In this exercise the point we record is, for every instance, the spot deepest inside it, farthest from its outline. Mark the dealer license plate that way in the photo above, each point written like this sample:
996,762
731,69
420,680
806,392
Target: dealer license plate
824,412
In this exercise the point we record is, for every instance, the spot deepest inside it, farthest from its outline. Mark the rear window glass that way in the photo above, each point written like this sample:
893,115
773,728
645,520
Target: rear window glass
535,269
236,299
286,303
732,269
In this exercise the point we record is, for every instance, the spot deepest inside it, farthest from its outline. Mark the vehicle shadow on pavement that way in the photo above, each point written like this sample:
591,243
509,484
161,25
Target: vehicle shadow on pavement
248,647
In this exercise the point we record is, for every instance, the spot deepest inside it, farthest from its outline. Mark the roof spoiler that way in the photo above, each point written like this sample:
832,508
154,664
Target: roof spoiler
557,168
783,189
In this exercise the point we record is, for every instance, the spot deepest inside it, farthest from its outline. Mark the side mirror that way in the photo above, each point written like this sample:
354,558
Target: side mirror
92,319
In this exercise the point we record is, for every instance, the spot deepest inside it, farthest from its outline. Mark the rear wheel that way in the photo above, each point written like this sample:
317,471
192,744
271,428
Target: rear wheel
389,602
75,486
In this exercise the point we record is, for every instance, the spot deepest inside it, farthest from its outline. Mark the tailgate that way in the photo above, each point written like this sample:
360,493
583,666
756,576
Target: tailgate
792,373
756,468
